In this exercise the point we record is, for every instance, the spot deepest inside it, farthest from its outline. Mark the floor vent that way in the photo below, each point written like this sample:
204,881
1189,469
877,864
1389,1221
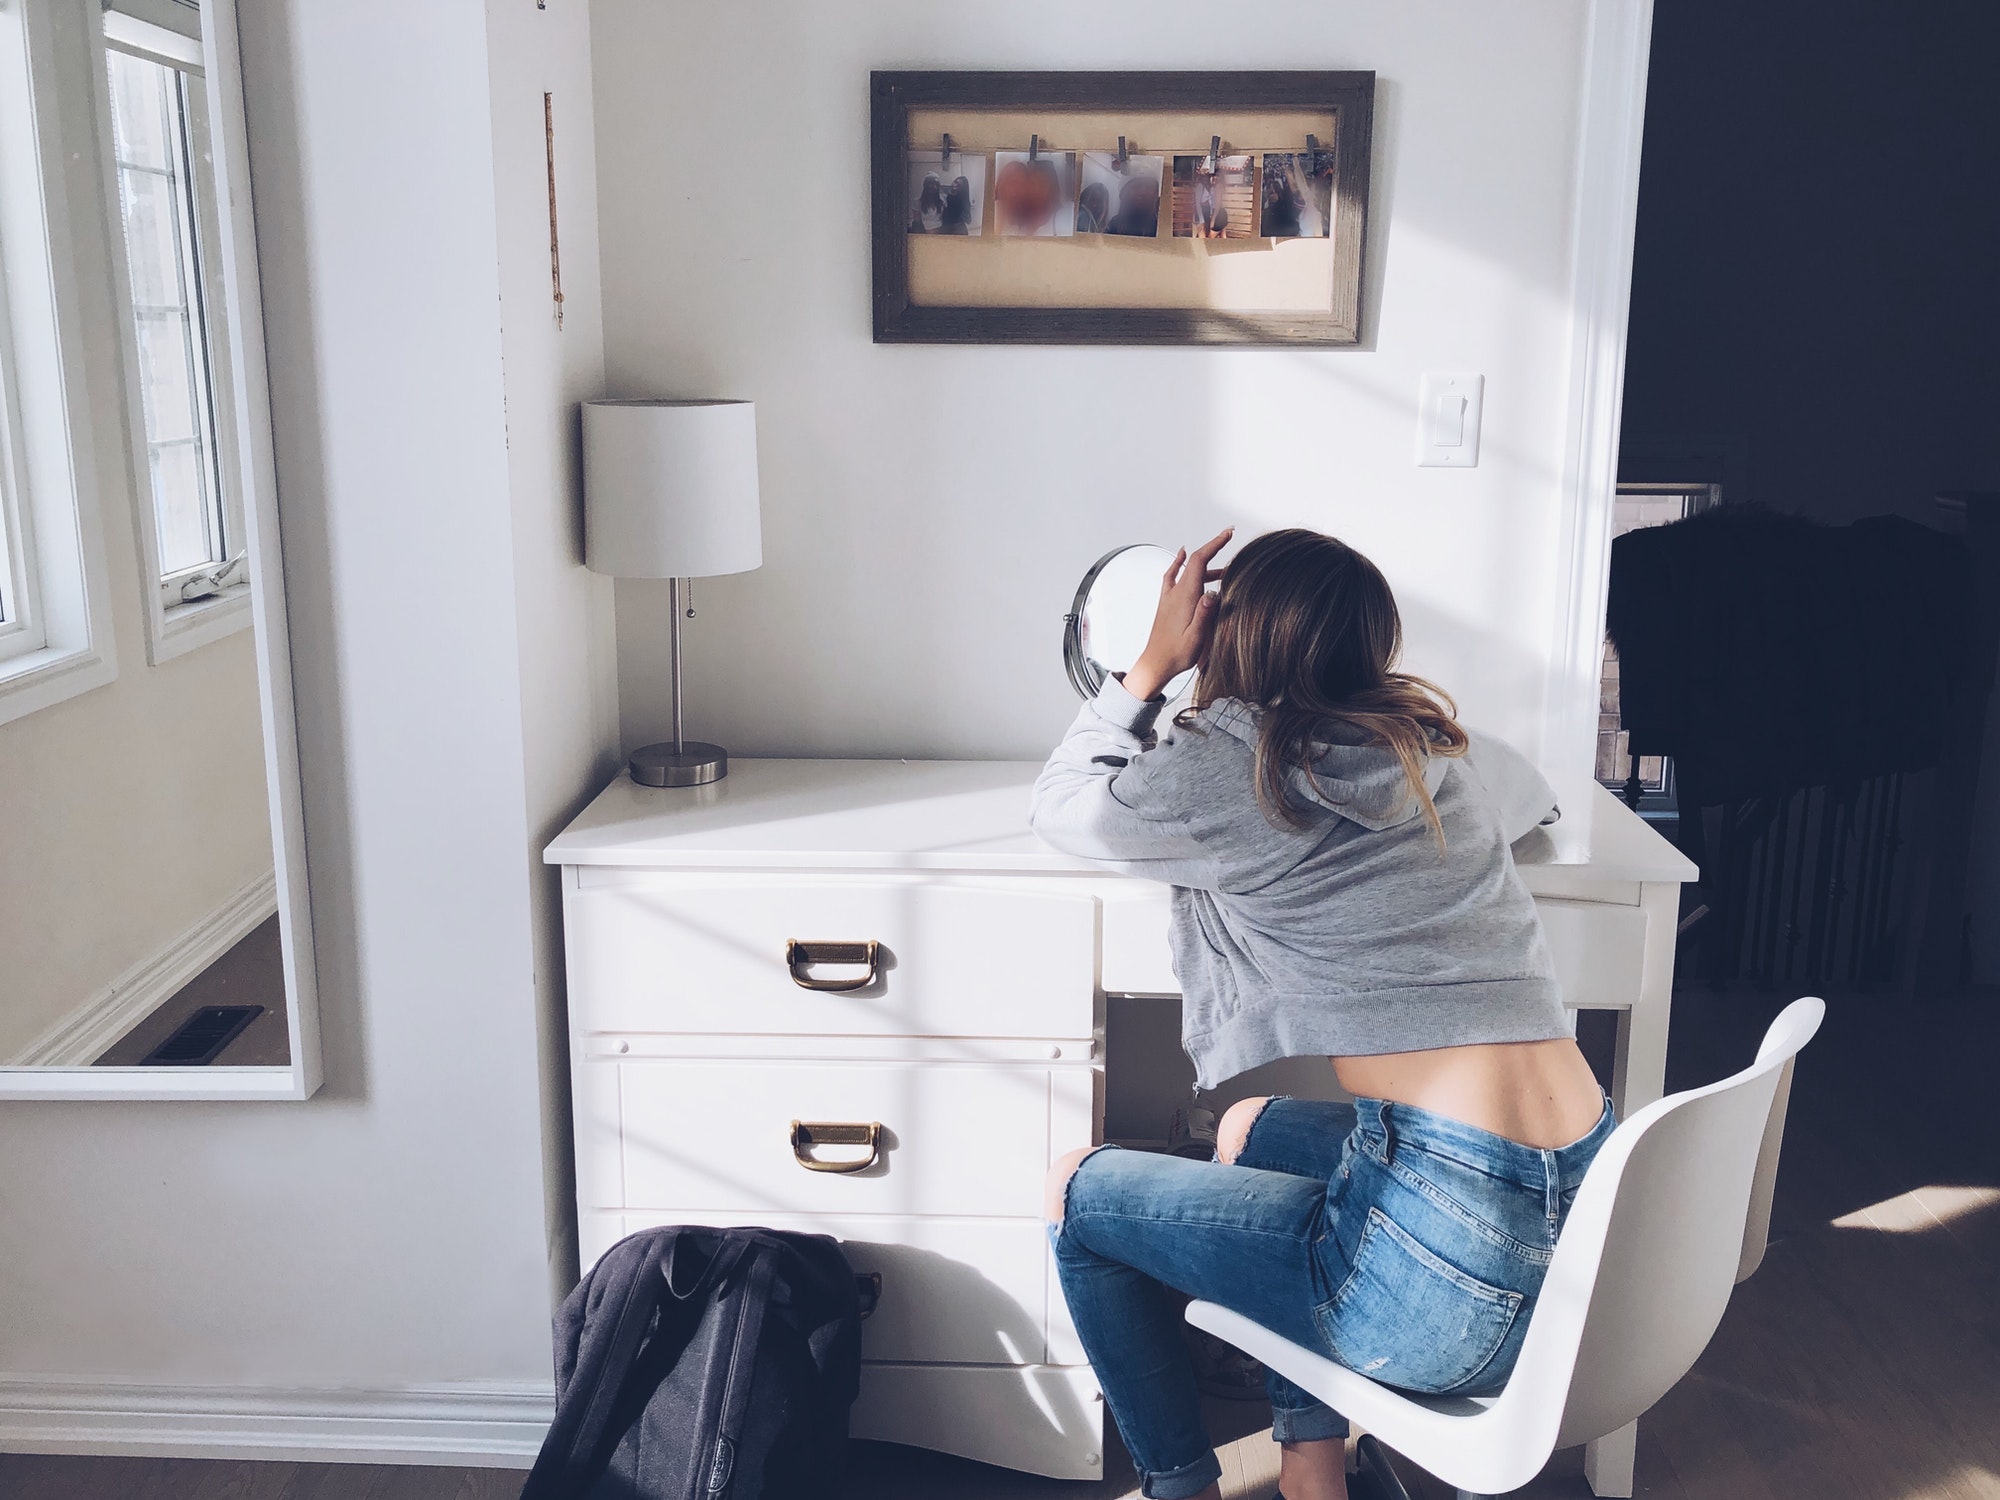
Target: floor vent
199,1040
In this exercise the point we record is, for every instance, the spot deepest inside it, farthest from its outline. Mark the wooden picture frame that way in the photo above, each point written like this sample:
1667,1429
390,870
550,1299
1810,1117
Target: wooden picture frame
1036,312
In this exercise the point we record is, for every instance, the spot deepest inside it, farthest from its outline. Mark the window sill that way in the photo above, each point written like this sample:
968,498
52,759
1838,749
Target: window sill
188,627
55,674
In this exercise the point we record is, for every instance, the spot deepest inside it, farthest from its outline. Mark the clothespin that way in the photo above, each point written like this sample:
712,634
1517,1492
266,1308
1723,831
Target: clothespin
1121,163
1214,153
1034,147
944,153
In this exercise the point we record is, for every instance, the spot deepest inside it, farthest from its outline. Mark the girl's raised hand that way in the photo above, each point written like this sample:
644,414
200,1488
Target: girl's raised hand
1183,622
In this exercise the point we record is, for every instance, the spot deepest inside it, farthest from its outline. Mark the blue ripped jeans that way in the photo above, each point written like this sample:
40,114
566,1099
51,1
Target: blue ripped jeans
1401,1243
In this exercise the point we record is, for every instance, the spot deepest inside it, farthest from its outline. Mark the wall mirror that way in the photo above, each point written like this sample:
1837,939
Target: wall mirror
155,939
1107,625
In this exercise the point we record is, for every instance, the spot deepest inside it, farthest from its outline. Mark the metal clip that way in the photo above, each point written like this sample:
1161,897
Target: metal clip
1214,153
1034,147
1121,162
944,151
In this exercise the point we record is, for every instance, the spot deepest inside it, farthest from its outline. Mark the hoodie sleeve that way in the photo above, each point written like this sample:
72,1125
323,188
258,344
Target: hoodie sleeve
1097,799
1520,792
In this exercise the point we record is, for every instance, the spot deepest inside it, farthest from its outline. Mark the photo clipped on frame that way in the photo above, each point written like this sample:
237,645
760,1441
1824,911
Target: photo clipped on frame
1120,197
947,196
1034,193
1298,195
1215,198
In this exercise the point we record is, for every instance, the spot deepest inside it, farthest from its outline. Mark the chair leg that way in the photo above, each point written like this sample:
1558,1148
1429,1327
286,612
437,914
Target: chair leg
1608,1462
1374,1463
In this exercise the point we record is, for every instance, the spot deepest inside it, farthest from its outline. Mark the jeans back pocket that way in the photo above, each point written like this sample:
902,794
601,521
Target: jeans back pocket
1409,1318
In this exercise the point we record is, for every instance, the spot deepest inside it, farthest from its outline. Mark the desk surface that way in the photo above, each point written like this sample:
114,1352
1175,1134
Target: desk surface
966,815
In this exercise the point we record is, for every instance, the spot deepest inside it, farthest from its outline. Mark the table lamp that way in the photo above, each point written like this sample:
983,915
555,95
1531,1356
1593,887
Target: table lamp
670,491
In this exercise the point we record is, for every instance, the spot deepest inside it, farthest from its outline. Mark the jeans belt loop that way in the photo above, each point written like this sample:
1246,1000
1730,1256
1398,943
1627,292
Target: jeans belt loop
1388,1136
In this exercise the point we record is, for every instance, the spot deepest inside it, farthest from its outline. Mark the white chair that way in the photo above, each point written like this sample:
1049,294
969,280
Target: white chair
1672,1214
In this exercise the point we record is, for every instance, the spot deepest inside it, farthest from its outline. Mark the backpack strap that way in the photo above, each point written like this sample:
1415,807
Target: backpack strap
742,1367
574,1453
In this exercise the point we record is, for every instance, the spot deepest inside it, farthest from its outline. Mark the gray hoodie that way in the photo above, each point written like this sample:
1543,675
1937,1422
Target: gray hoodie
1350,937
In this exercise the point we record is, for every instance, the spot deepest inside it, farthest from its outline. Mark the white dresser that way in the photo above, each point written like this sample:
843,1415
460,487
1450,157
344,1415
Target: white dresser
859,998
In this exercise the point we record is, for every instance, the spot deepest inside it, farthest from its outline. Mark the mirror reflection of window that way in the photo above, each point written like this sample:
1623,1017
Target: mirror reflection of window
160,949
166,205
19,634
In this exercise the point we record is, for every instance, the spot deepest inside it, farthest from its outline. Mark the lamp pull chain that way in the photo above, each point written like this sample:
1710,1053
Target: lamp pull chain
674,587
688,586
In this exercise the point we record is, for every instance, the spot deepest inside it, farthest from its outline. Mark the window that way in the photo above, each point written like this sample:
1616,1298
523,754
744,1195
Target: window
21,629
1649,785
165,199
55,602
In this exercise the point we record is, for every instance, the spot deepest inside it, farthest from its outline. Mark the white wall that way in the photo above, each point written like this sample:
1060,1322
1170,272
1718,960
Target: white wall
129,814
388,1235
928,511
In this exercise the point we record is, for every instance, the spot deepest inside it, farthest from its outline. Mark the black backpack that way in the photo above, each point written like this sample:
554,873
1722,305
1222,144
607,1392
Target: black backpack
704,1364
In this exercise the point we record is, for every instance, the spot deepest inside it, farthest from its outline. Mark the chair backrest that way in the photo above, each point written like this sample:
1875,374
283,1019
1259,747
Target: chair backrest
1672,1214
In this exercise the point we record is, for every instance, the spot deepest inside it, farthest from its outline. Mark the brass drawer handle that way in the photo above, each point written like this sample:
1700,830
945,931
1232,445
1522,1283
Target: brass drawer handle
808,1134
799,956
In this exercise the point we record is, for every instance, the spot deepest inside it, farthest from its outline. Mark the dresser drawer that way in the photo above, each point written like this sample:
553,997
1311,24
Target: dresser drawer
678,953
1599,951
1598,947
955,1139
954,1291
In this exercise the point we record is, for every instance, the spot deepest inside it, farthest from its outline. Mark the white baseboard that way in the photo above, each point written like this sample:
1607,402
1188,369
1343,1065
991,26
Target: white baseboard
484,1426
79,1038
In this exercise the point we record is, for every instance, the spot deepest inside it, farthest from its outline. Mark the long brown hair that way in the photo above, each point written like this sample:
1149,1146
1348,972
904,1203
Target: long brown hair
1307,633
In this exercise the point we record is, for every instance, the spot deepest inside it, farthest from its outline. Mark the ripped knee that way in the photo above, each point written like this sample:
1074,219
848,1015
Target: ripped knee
1055,1186
1232,1133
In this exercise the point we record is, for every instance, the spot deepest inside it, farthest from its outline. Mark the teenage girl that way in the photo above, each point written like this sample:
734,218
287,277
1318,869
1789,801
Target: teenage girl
1343,885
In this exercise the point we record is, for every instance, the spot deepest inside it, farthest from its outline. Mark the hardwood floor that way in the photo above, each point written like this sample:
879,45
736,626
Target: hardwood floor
1862,1362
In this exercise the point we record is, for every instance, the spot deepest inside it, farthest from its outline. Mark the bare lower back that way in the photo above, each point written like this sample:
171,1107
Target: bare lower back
1540,1094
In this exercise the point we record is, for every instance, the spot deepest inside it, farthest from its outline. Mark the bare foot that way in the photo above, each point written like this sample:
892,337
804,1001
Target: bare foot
1314,1471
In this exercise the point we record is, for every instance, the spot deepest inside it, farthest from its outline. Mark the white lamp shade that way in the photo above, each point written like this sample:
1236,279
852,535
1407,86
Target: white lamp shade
670,488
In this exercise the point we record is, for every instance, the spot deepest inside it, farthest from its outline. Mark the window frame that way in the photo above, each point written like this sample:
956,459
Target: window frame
61,642
22,628
175,624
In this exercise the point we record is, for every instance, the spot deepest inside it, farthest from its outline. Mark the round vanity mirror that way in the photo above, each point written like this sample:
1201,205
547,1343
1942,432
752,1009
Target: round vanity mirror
1106,628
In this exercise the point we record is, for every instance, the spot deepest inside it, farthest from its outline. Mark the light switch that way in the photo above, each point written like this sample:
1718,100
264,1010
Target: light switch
1448,420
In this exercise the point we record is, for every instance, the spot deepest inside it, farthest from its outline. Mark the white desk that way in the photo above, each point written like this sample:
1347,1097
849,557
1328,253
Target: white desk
1015,1014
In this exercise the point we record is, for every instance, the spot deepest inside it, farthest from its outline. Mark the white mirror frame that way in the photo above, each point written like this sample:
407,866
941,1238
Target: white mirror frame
250,399
1086,672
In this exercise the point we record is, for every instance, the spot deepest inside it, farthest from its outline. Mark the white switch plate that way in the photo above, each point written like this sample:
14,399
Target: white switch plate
1448,419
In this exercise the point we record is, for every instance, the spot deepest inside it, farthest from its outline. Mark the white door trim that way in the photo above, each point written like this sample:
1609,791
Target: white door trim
1612,130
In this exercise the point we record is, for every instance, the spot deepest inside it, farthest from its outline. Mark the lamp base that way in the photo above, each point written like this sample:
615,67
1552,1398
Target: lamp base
695,764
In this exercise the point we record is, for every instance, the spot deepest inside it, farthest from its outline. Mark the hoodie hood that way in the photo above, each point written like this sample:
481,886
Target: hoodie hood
1363,783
